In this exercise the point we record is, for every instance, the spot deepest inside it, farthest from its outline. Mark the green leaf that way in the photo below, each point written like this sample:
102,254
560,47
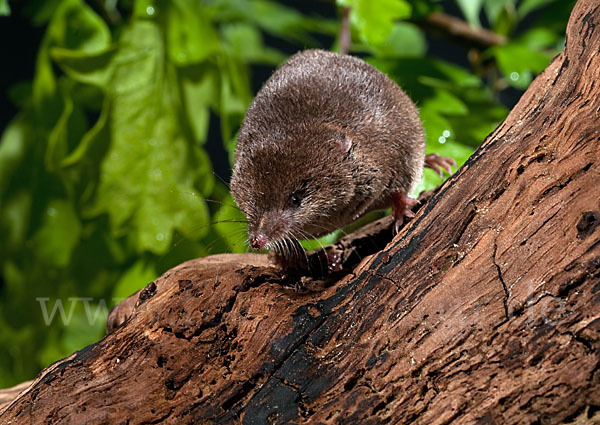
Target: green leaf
502,16
230,223
147,9
41,11
457,75
436,125
4,8
199,86
13,148
453,149
76,26
245,42
57,141
150,168
555,16
67,132
483,117
323,241
471,10
191,37
87,324
528,6
14,220
445,102
52,349
494,8
45,98
405,40
235,95
88,145
417,75
59,233
449,99
518,63
538,38
375,20
286,22
90,68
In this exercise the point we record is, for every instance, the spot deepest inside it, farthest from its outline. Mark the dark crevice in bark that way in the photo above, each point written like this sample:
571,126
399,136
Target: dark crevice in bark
501,279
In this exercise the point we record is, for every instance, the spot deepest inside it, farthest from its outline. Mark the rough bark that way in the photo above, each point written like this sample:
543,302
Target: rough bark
484,309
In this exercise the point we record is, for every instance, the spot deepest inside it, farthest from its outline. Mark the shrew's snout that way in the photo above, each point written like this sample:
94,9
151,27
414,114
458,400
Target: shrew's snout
258,241
271,227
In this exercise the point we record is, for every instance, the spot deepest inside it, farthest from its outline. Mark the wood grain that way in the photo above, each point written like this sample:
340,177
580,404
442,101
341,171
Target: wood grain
484,309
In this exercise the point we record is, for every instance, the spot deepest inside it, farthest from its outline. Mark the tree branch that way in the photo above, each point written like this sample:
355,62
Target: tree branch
484,309
345,40
461,31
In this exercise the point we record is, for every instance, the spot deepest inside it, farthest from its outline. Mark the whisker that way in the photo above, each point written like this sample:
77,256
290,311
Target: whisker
235,238
301,251
222,181
226,204
291,248
229,220
304,235
277,248
285,248
194,237
288,248
215,201
196,194
292,252
195,229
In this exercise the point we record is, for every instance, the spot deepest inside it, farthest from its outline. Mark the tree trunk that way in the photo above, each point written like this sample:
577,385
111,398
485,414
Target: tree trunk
485,308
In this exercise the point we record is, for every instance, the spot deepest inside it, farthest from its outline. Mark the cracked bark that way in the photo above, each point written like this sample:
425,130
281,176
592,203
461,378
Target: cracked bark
501,279
484,309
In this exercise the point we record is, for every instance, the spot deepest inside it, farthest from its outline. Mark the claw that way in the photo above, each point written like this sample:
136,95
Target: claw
436,168
401,208
437,163
397,224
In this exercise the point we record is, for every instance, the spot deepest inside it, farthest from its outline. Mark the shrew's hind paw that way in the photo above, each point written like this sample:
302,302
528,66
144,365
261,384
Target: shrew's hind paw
401,208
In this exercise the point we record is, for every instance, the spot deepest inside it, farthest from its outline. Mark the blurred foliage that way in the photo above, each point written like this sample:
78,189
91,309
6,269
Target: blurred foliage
105,180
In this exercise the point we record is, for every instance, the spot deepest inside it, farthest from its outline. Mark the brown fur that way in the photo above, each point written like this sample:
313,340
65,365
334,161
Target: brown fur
295,139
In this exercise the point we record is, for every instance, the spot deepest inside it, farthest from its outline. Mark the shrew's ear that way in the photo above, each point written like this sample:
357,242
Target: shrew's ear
344,143
341,139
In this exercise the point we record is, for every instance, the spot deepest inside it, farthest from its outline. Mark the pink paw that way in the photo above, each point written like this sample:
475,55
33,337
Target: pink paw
437,163
401,208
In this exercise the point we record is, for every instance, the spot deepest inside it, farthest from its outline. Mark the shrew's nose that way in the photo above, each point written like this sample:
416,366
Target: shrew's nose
258,241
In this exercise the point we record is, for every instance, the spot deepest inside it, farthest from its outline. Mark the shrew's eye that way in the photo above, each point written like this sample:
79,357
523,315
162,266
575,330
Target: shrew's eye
295,200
